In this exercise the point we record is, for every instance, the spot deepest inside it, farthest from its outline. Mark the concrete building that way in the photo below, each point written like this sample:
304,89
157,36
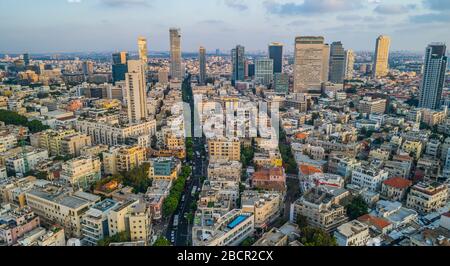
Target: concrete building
372,106
225,170
381,59
176,71
81,172
15,223
427,197
221,148
72,145
369,177
164,168
264,71
265,206
229,230
353,233
143,50
311,64
136,92
94,223
56,205
396,188
349,64
123,159
321,208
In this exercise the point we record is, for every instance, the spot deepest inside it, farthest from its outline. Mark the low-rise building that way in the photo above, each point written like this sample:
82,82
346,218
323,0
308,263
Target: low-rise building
369,177
395,188
354,233
94,223
427,197
164,168
123,159
265,206
273,179
81,172
15,223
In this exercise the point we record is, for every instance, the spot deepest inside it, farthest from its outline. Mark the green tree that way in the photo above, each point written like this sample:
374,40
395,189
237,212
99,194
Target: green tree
357,208
302,221
162,242
118,238
316,237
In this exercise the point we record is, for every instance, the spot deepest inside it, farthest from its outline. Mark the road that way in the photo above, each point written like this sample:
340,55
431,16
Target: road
183,232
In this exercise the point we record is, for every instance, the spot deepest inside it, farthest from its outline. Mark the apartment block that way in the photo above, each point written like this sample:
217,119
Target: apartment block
123,159
427,197
265,206
224,149
81,172
354,233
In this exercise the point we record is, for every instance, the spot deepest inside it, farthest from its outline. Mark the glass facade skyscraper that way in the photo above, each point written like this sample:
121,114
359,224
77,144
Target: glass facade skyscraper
435,67
264,71
238,61
337,63
276,54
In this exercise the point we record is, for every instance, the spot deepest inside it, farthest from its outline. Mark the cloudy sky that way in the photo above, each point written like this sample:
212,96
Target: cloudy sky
108,25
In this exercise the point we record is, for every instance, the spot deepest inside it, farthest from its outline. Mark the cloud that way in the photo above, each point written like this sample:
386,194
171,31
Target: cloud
73,1
125,3
430,18
309,7
393,9
438,5
236,4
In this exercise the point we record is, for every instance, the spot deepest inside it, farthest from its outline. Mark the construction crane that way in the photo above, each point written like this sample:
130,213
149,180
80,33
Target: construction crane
22,144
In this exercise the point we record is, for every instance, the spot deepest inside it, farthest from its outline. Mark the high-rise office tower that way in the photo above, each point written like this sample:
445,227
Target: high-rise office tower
281,83
311,63
337,63
202,65
381,59
435,67
250,70
135,87
349,63
175,54
143,50
26,59
264,71
88,68
119,66
238,61
276,54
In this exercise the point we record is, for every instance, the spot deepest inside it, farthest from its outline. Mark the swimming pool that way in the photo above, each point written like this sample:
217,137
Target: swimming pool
237,221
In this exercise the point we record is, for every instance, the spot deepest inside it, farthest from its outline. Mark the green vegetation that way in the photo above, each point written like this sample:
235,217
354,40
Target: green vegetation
357,208
13,118
286,153
118,238
171,202
315,237
248,242
247,155
137,178
189,149
162,242
302,221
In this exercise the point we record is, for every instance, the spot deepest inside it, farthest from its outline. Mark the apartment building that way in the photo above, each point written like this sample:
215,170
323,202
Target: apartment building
164,168
396,188
7,141
369,177
372,106
94,223
72,145
110,134
222,148
354,233
123,159
273,179
225,170
51,140
140,220
15,223
22,163
229,230
321,208
427,197
265,206
55,204
81,172
278,237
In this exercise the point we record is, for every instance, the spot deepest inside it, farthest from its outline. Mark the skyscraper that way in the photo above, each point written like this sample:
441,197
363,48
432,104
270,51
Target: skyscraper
136,96
435,66
119,66
202,65
349,63
276,54
264,71
175,54
88,68
143,50
281,83
26,59
381,59
238,61
337,63
311,63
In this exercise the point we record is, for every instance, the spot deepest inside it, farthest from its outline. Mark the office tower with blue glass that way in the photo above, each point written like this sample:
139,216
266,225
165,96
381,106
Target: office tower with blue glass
276,54
433,79
238,61
337,63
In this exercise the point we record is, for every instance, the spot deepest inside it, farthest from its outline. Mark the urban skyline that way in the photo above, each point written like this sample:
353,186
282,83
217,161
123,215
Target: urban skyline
98,25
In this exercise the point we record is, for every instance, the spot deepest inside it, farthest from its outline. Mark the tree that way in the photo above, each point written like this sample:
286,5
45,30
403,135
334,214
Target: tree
162,242
357,208
302,221
118,238
248,242
316,237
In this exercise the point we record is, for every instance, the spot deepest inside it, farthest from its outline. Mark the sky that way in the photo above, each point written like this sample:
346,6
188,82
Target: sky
56,26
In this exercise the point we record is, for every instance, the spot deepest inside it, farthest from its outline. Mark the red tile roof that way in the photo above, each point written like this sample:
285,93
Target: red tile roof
375,221
398,182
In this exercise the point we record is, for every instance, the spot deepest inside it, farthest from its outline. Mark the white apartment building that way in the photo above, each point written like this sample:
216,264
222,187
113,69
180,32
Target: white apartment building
369,177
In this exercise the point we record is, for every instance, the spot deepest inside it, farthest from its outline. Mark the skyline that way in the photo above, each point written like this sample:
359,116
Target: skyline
115,25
